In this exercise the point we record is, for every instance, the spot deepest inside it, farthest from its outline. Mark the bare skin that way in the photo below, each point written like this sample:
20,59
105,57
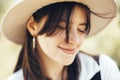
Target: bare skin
54,52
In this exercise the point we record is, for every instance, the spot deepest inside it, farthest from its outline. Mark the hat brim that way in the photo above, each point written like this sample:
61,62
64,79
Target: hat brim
14,21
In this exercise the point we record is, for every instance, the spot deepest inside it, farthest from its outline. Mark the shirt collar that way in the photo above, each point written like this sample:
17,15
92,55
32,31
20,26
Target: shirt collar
89,67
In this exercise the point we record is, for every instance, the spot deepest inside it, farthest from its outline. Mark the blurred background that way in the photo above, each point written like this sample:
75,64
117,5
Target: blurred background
106,42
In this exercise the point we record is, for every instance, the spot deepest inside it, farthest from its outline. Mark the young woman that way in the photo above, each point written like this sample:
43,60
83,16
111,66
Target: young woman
51,33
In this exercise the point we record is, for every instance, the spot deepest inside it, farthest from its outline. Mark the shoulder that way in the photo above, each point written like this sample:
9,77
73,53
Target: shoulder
17,75
106,60
109,68
102,60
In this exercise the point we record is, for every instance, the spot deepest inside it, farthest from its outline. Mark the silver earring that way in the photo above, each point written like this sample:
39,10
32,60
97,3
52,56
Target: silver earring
33,43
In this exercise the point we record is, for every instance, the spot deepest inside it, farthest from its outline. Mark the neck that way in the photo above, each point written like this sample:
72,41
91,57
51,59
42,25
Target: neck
51,69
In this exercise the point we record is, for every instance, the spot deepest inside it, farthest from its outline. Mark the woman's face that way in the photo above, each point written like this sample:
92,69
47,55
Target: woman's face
56,48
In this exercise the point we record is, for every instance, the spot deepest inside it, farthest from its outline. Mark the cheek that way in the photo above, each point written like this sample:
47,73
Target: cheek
81,41
47,44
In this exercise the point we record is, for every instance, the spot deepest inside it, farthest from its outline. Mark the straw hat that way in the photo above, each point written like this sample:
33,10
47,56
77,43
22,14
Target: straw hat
14,21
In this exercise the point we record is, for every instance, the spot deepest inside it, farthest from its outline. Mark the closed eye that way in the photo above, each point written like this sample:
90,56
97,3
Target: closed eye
82,27
61,27
82,31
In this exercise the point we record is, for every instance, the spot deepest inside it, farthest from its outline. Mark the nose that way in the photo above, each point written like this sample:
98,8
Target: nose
74,37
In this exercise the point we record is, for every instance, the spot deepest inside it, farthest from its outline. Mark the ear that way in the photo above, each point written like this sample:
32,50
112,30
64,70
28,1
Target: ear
32,26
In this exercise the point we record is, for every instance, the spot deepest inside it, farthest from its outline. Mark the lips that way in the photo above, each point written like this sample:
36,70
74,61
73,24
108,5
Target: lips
68,50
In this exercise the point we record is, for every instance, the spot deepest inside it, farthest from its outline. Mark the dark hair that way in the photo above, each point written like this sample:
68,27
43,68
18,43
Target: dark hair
28,58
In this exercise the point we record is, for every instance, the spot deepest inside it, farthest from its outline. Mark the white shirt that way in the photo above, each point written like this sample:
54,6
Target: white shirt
89,67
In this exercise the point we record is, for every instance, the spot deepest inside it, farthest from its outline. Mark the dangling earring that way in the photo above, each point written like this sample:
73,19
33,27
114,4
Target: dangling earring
33,42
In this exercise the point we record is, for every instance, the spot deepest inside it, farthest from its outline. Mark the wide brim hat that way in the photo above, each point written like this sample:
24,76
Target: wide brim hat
14,22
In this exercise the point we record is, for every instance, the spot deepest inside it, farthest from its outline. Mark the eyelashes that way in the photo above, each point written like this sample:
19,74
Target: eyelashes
64,28
82,31
61,27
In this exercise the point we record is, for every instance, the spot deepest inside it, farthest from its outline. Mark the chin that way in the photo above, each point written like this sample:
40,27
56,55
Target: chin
67,62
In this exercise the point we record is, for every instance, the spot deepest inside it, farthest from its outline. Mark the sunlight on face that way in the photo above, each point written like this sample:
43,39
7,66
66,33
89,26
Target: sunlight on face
54,48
